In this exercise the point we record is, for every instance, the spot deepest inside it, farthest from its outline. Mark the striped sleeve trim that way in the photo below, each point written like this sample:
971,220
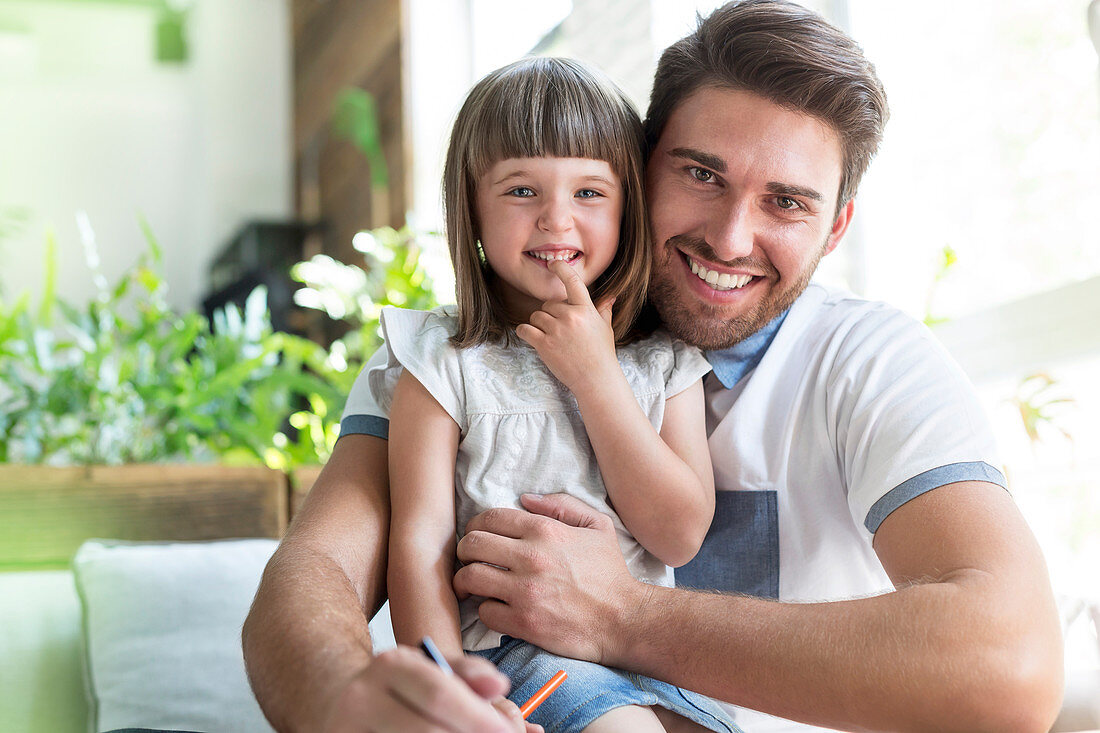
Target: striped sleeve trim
379,427
925,482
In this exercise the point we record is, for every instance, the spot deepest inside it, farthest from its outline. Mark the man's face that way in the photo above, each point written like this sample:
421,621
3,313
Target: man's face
742,195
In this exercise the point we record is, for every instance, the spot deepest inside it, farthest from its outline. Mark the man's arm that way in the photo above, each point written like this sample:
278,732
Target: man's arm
969,641
306,643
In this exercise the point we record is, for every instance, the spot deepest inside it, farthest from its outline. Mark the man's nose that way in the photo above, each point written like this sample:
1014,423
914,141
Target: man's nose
556,214
730,231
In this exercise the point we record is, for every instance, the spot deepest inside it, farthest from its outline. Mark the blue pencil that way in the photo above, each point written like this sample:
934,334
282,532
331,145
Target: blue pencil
429,648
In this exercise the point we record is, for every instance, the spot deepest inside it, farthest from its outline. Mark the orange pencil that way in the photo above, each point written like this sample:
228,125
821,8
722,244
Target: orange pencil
544,692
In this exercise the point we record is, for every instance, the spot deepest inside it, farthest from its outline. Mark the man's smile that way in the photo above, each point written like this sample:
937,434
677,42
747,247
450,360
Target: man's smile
720,281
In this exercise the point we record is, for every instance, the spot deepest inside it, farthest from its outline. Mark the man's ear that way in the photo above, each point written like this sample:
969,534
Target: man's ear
840,226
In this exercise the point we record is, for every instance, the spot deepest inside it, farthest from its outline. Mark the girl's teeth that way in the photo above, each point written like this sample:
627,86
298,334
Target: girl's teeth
551,256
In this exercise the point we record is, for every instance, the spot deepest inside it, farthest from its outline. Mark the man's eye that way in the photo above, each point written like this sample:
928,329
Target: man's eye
787,203
701,174
521,191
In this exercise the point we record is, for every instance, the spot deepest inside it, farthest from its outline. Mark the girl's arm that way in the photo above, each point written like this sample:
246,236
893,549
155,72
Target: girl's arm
423,445
661,485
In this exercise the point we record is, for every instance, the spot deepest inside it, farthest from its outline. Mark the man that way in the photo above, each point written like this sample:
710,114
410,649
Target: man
875,573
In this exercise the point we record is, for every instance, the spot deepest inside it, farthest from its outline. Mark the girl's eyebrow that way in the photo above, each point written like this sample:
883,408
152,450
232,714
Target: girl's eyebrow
523,174
513,174
601,179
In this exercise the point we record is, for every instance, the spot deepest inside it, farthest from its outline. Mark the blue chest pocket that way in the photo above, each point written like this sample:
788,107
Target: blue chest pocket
741,551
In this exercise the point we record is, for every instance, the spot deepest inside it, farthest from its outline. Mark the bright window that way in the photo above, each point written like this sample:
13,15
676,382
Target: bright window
993,150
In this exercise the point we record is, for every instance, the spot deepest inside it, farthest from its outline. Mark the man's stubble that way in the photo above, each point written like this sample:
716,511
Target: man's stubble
703,325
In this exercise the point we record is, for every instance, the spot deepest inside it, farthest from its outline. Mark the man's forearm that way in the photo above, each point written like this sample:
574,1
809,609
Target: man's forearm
306,635
304,639
970,641
870,664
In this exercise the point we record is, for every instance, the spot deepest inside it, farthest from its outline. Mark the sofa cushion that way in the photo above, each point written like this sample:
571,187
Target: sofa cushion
40,659
162,624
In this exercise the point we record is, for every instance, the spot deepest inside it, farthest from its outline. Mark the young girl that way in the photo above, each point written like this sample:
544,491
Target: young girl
534,384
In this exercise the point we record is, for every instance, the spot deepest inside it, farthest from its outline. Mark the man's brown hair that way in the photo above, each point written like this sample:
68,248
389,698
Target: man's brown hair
789,55
543,107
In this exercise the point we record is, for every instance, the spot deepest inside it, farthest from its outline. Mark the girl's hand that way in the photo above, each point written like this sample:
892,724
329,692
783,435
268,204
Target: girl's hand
573,337
510,712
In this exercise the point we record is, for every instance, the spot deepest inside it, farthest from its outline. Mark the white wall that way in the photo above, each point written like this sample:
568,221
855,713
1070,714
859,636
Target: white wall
89,121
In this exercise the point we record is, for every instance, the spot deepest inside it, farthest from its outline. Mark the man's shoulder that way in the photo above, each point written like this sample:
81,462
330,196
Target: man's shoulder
831,309
830,319
833,301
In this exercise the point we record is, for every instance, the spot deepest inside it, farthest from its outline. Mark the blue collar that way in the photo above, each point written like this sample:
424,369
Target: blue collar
731,364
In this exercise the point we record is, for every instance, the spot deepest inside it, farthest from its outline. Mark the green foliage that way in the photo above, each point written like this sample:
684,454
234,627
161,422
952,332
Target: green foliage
12,221
126,379
392,273
947,261
1040,407
356,118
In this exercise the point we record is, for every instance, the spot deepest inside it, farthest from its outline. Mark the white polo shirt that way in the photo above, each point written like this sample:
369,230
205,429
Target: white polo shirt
835,414
831,417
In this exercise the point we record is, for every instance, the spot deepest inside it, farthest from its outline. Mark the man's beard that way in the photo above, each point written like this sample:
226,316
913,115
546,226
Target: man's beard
703,325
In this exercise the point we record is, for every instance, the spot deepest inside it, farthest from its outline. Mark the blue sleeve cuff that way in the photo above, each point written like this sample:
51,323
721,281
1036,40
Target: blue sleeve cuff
379,427
931,479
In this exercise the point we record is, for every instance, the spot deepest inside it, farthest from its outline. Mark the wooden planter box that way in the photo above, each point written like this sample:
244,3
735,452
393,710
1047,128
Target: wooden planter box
46,513
301,481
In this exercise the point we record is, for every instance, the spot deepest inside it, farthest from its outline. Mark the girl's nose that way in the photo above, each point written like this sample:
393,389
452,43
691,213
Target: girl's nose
555,216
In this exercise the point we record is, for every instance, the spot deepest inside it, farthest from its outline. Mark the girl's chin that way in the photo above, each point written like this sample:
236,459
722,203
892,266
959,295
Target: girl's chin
547,294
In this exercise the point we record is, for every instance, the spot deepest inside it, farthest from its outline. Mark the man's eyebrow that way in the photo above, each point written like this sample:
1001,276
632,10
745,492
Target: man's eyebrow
786,189
719,166
705,159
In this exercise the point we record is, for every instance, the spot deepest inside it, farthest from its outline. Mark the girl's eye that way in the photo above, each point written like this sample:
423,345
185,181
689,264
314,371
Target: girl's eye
587,193
521,191
701,174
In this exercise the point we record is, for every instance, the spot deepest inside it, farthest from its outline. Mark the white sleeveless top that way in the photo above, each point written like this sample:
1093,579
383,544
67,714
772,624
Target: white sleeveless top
521,429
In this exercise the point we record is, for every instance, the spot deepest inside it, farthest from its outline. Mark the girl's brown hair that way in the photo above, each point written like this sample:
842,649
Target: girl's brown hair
543,107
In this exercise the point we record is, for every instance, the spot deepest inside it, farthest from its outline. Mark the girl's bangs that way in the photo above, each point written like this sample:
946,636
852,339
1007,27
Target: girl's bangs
550,120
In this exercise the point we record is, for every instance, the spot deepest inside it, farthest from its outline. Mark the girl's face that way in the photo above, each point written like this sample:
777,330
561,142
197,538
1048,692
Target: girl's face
533,210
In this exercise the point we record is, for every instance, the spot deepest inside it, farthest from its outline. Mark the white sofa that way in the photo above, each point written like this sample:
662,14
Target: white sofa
135,635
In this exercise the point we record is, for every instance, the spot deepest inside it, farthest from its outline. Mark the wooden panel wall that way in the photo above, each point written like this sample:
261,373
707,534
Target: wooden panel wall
337,44
45,512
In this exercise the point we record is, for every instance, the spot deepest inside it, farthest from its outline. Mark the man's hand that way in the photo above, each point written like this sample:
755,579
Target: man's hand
402,690
553,576
574,337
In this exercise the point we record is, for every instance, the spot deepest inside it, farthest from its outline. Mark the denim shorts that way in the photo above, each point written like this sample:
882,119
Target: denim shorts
592,690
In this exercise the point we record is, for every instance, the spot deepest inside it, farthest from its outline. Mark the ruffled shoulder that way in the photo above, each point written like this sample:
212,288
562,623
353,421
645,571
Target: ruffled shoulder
419,341
688,366
662,365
